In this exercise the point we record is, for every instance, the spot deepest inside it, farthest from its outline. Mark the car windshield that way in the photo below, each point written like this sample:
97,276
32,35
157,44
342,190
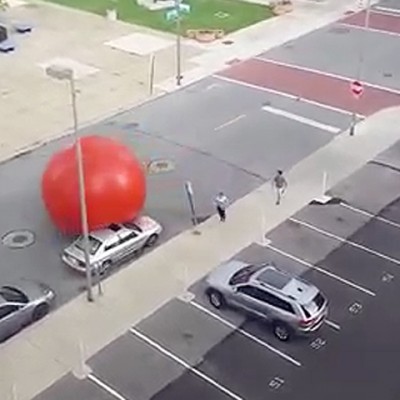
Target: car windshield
13,295
314,305
94,244
132,226
244,274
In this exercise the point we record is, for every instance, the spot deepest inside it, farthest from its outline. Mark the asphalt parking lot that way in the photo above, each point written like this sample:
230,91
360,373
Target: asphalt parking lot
348,248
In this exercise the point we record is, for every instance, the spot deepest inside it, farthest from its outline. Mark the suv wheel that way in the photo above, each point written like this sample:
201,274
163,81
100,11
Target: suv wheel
282,331
216,299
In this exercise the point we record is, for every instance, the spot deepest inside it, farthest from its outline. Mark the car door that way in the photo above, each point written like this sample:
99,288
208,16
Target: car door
277,308
111,250
10,320
250,299
128,244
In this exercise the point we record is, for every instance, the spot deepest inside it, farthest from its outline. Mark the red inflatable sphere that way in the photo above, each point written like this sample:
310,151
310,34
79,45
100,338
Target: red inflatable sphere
115,185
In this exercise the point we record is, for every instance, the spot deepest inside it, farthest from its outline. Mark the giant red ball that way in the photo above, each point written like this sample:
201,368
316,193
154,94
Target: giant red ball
115,185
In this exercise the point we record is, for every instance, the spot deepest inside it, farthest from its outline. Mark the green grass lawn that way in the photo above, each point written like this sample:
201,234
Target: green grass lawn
239,13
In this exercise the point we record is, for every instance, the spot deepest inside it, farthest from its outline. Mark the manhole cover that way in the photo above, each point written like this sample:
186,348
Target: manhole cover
227,42
18,239
387,75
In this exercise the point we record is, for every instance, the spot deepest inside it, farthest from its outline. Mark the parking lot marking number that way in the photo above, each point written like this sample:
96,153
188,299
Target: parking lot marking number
322,271
246,334
105,387
152,343
355,308
276,383
318,343
386,277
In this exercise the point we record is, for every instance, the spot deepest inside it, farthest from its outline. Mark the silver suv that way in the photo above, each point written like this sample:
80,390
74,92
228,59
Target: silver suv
291,304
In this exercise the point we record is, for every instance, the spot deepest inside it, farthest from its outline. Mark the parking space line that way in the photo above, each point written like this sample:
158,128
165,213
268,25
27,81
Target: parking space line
184,364
368,214
391,11
332,324
370,29
246,334
328,74
322,271
349,242
303,120
287,95
105,387
230,122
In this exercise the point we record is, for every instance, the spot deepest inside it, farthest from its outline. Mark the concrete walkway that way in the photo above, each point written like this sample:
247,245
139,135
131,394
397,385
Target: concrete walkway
43,353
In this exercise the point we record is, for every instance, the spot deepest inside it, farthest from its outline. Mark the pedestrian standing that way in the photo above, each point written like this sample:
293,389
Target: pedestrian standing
221,203
280,185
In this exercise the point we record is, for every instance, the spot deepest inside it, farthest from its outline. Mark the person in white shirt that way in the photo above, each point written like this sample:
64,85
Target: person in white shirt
221,203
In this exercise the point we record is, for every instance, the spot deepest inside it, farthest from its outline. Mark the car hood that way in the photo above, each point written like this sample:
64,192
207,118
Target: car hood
146,223
75,252
32,289
223,273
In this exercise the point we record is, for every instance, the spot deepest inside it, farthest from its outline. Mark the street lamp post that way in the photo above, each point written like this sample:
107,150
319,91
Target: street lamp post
361,60
67,74
175,14
178,43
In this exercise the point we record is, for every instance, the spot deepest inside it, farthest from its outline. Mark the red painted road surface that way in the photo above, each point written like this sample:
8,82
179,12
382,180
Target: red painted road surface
329,91
379,21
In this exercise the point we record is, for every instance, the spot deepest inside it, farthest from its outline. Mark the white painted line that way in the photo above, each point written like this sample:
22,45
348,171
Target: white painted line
368,214
332,324
246,334
105,387
302,120
328,74
395,12
287,95
369,29
184,364
230,122
349,242
323,271
213,86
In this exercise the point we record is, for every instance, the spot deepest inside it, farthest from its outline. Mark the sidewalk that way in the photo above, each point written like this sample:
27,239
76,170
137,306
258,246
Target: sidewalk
43,353
35,109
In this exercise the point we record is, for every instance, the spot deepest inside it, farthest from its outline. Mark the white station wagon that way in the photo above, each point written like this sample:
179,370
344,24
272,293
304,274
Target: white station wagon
112,244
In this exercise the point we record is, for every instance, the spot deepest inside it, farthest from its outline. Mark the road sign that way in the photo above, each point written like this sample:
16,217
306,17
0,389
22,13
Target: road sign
184,8
172,15
357,89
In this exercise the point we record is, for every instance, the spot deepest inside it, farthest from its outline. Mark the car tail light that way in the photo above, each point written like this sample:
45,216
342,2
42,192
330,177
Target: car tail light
307,322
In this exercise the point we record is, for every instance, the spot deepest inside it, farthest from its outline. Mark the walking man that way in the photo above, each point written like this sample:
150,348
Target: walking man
280,185
221,203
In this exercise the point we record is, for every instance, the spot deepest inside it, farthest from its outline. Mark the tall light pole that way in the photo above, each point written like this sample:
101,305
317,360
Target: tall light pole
178,43
361,56
175,14
67,74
